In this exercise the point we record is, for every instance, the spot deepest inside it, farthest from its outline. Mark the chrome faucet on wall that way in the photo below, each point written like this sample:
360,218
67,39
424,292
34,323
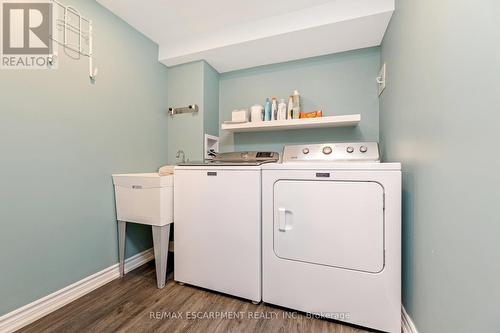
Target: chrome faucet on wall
178,155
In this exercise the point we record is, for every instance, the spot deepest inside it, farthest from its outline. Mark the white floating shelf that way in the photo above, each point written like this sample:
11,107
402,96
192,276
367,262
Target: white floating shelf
281,125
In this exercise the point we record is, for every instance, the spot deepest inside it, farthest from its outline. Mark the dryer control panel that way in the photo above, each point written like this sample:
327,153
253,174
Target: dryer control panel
332,152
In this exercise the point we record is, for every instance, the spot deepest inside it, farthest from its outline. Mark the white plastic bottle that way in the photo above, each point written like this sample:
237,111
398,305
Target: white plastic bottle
296,104
282,110
274,109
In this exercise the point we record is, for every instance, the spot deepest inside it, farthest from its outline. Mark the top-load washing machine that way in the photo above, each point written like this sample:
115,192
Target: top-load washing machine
217,223
331,217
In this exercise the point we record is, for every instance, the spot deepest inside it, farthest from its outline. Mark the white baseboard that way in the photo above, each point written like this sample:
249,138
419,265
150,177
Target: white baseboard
29,313
407,325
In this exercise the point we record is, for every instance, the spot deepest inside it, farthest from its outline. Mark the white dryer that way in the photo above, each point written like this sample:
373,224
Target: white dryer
332,234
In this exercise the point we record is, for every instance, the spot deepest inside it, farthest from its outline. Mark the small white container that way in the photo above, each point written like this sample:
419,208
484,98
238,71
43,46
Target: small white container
257,113
239,116
145,198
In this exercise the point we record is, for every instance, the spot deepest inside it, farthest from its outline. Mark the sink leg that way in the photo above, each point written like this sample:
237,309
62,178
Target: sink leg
121,245
161,236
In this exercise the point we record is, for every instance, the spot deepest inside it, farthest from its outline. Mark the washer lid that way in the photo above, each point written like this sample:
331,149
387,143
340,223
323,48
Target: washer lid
212,163
238,158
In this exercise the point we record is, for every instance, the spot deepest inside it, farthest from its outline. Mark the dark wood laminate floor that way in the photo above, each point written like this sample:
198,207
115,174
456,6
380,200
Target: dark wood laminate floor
134,304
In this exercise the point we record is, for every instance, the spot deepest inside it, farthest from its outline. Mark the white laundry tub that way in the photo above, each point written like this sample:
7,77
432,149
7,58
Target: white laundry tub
146,198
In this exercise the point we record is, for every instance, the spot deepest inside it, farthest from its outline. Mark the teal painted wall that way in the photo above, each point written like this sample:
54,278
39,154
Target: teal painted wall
211,99
439,117
339,84
192,83
185,131
61,139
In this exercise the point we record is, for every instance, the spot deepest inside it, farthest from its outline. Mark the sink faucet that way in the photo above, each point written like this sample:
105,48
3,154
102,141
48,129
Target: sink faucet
178,155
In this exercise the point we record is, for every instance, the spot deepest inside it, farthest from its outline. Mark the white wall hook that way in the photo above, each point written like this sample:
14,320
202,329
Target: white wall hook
381,79
52,60
93,74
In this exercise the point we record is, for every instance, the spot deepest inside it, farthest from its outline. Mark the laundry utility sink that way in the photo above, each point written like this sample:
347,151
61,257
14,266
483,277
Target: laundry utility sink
146,198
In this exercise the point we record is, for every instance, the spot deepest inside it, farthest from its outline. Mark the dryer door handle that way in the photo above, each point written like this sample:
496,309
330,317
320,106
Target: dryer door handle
282,226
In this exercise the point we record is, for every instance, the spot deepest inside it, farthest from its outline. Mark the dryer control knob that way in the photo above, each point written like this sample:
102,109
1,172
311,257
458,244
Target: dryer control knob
327,150
350,150
305,151
363,149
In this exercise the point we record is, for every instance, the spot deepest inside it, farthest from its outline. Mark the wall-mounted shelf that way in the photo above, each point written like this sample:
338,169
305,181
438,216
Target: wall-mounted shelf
281,125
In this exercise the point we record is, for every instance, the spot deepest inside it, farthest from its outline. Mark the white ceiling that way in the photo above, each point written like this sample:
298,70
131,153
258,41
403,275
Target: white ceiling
235,34
171,20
